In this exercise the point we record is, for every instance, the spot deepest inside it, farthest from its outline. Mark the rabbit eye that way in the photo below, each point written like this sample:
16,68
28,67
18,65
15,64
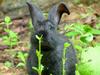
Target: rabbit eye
51,27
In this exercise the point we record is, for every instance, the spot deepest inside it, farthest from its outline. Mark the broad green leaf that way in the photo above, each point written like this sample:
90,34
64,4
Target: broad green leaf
21,64
86,38
66,45
72,33
90,61
87,29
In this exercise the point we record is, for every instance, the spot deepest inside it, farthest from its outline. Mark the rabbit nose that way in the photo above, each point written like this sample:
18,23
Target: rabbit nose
43,33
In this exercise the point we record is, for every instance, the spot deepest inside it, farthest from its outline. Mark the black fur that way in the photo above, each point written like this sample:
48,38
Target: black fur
52,43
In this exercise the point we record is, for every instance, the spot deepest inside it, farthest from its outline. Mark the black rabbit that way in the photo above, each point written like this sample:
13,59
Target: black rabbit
52,43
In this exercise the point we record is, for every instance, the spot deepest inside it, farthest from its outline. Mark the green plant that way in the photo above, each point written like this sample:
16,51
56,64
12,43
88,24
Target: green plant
40,67
85,32
64,58
11,38
22,56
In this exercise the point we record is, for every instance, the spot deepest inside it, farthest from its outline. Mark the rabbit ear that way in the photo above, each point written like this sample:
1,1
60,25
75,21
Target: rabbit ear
35,14
56,13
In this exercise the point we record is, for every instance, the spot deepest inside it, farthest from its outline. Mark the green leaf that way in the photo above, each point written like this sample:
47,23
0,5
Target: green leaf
37,52
72,33
79,28
7,30
95,31
42,67
35,68
14,40
6,42
5,37
26,54
37,37
87,29
20,65
13,43
21,56
66,45
79,48
7,20
11,39
86,38
12,34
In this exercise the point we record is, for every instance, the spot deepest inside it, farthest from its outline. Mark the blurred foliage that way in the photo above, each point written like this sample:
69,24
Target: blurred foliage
90,61
87,50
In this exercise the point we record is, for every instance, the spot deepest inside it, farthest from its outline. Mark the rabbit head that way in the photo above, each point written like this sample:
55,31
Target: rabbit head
42,26
46,27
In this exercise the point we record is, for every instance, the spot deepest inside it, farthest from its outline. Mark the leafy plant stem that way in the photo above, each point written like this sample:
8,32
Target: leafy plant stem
39,63
40,67
64,58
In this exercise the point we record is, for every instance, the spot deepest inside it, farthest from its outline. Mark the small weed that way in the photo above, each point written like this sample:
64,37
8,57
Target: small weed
22,56
11,38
